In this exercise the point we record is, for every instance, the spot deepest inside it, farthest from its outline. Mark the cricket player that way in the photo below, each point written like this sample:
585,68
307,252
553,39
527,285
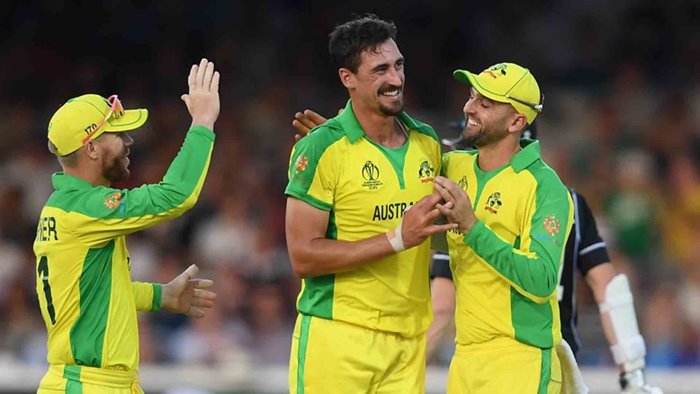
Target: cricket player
362,253
86,295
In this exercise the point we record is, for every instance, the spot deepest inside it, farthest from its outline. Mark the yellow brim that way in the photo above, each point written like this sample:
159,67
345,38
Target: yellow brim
465,76
130,120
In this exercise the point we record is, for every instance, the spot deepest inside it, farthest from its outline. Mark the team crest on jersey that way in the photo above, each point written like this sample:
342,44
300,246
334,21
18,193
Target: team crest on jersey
112,201
552,225
370,173
426,172
463,183
493,202
301,163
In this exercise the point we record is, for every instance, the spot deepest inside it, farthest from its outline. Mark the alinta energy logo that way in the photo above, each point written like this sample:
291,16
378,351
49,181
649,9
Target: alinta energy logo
426,172
370,173
493,202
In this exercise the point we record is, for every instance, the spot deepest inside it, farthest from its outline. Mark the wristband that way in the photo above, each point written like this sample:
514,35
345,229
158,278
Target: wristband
395,239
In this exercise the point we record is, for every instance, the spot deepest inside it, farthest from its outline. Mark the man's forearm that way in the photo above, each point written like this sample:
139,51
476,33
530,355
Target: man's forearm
327,256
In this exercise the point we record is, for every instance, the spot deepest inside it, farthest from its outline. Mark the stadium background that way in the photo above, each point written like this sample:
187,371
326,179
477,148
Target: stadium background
621,124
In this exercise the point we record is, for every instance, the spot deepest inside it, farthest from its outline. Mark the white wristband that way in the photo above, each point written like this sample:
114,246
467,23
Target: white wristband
395,239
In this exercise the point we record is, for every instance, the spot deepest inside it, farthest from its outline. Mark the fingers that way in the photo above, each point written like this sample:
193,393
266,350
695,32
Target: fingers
445,194
299,125
309,119
192,78
208,76
196,313
191,271
201,71
440,228
315,117
204,294
202,283
215,82
429,201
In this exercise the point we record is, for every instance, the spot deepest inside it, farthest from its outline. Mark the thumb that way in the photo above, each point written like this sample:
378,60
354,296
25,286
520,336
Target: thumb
186,99
191,271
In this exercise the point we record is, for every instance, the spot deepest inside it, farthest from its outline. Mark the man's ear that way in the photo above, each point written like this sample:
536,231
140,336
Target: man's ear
518,123
347,78
91,149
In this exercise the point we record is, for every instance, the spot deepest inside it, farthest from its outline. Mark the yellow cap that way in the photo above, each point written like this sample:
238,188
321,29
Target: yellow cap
507,83
83,117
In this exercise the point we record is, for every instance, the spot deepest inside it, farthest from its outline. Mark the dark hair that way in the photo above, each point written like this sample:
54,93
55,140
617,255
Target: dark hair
349,40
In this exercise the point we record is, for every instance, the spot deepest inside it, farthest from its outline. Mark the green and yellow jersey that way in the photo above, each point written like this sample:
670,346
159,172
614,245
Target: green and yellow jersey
366,187
86,295
506,269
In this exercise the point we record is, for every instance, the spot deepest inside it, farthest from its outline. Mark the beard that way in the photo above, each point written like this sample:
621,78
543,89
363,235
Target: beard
393,110
117,170
485,136
396,107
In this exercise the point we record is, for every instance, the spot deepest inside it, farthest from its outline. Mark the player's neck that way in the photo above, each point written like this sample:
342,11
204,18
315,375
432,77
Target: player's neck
88,174
382,129
497,155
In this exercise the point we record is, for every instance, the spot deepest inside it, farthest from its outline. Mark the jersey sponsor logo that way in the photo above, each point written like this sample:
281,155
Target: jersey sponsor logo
455,231
493,202
390,211
113,200
301,163
552,225
370,173
426,172
46,230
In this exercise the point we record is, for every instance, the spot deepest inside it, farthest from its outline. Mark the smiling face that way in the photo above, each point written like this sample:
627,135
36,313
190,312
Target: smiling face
379,81
115,156
488,121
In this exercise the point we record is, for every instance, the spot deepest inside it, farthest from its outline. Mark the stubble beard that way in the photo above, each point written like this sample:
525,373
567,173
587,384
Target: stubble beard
392,111
484,137
117,171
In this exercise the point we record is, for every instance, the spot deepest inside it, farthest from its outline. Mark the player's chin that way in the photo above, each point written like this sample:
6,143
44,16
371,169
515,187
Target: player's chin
392,108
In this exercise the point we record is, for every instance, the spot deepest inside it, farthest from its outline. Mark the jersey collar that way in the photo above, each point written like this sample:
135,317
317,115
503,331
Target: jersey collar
352,128
61,180
528,155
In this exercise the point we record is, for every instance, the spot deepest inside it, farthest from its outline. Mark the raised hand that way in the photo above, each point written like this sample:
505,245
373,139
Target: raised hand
186,294
203,98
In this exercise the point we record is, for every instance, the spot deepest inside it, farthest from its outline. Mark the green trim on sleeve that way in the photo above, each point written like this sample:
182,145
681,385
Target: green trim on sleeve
157,297
314,202
531,275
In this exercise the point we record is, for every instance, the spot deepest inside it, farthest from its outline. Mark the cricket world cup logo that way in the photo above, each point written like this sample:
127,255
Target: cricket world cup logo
370,173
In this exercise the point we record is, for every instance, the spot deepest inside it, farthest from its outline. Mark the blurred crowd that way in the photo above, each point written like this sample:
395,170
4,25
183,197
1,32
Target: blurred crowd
621,125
